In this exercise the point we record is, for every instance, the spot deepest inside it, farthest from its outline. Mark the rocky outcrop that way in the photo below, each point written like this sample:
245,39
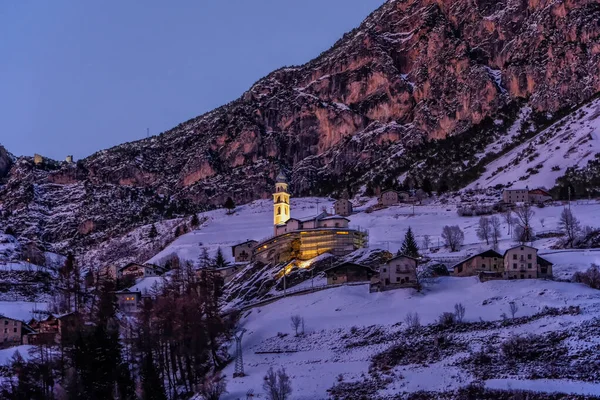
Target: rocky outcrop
363,111
6,160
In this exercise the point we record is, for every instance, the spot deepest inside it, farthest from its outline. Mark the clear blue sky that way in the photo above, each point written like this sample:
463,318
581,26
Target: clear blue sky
81,76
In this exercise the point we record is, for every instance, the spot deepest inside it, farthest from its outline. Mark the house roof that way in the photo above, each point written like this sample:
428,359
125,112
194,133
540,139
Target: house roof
401,256
540,191
333,217
246,242
487,253
521,245
347,264
388,190
543,262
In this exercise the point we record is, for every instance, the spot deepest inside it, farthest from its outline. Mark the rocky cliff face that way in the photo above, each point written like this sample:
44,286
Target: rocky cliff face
363,111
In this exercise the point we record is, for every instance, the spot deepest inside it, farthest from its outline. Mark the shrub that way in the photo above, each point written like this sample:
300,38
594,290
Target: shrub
412,321
447,319
518,347
591,277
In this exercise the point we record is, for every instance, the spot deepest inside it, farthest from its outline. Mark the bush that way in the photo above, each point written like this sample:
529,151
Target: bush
591,277
412,321
518,347
447,319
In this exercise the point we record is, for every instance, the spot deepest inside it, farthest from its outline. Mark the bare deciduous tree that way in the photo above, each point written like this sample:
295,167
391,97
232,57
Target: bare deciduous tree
508,218
569,226
453,237
513,307
277,385
459,312
212,387
296,322
524,215
412,320
426,242
495,233
483,230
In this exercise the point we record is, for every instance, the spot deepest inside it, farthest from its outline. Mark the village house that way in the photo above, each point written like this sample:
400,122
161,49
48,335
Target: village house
405,197
522,262
514,196
242,252
539,196
488,261
399,272
342,207
348,273
52,329
388,198
139,270
12,331
129,302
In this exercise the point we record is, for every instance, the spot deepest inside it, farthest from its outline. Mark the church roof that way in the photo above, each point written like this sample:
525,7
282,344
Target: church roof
281,178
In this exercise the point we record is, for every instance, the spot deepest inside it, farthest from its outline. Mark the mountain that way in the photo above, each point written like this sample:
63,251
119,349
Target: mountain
419,90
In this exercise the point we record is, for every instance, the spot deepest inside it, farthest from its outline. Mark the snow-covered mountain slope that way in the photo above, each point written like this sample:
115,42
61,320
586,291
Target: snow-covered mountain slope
572,141
386,227
345,327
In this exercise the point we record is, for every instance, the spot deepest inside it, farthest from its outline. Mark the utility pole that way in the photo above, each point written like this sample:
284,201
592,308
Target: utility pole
147,133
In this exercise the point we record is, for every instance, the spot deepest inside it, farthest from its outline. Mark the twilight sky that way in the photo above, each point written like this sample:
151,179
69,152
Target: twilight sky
80,76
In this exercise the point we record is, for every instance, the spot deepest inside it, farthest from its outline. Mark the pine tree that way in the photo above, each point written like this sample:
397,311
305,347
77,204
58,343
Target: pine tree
220,261
152,387
194,222
229,205
427,186
153,232
409,246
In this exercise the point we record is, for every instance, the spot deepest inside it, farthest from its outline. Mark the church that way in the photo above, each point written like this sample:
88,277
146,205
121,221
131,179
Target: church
306,238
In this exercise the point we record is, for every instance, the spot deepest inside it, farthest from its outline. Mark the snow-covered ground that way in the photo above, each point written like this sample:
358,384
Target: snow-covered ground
571,141
315,360
386,227
21,310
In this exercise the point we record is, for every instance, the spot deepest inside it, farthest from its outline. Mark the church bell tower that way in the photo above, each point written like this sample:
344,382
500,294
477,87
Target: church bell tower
281,200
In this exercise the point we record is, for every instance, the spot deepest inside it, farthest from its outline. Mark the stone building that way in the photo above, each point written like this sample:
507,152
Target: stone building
348,273
12,331
488,261
129,302
399,272
342,207
514,196
539,196
388,198
522,262
306,238
139,270
242,252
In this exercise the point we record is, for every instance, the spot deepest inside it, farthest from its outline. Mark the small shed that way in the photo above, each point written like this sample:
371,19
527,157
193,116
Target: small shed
348,272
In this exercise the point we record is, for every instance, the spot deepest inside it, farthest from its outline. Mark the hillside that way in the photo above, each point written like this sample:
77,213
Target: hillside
572,141
417,92
346,327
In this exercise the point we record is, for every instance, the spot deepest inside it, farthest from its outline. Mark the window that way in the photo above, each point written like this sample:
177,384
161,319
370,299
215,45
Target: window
334,278
529,256
15,330
514,256
384,270
5,322
529,265
285,211
514,265
279,199
397,279
278,210
15,323
522,248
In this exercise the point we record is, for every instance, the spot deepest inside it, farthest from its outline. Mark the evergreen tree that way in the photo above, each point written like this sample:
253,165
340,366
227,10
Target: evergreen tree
427,186
153,232
220,261
229,205
152,387
409,246
194,222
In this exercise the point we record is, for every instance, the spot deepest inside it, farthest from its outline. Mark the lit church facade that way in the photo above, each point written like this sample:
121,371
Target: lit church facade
306,238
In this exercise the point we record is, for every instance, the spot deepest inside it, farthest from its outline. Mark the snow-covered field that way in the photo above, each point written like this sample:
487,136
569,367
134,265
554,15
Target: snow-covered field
315,360
387,228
